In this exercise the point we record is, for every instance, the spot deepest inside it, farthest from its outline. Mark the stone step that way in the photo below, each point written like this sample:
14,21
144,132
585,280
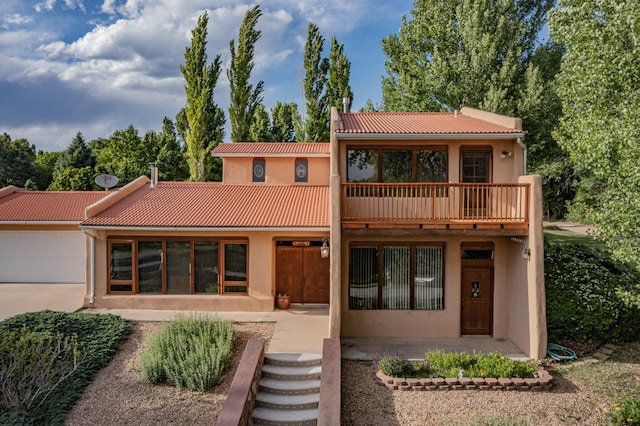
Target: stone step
289,387
291,373
293,359
268,416
287,402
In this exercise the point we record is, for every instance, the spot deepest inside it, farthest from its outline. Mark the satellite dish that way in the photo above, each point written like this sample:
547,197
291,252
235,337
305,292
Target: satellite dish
106,181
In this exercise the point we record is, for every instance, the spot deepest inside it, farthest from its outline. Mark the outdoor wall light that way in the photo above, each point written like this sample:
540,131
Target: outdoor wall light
324,250
526,253
505,154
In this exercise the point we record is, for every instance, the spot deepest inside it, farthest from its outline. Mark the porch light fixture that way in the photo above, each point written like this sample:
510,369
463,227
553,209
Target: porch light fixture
526,253
505,154
324,250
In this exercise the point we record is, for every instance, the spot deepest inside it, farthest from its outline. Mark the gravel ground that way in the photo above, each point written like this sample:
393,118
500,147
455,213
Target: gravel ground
119,395
366,403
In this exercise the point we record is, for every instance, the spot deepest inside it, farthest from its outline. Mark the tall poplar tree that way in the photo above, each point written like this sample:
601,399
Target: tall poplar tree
339,74
203,119
283,119
244,97
316,123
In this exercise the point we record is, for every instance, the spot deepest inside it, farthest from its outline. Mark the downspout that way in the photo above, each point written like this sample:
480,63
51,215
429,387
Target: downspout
524,151
92,281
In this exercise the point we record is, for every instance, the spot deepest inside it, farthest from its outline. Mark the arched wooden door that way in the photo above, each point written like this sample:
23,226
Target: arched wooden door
302,274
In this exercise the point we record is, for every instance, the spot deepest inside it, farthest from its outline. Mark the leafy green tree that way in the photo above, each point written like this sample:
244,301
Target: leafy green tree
172,164
201,122
74,179
284,117
126,155
45,164
245,99
16,161
339,74
462,53
260,130
600,90
316,123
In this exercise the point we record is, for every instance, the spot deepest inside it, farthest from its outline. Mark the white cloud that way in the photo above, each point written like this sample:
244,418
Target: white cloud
16,19
46,5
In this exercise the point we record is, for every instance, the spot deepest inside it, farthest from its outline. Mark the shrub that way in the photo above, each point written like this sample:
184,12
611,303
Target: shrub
626,411
448,364
191,352
32,365
394,365
585,290
98,336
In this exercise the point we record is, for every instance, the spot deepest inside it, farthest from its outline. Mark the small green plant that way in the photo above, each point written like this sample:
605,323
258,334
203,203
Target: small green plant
191,352
394,364
34,364
624,412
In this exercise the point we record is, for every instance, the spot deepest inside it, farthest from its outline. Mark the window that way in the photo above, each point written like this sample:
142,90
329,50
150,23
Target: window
408,276
178,266
393,165
258,170
301,170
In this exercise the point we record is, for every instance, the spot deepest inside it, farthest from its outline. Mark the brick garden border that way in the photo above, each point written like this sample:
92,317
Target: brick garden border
544,382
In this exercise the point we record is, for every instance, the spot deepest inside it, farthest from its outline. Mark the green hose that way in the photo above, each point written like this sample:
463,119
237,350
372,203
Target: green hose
560,353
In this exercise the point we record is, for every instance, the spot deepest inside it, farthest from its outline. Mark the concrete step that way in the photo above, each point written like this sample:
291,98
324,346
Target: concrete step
268,416
289,387
291,373
287,402
293,359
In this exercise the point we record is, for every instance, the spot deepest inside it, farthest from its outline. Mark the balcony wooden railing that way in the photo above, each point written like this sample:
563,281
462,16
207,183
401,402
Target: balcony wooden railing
437,205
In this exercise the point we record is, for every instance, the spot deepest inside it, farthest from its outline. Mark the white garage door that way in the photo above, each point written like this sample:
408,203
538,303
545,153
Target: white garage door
42,257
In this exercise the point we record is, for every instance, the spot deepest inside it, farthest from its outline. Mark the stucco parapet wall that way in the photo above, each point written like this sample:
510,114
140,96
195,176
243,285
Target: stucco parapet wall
501,120
8,190
113,198
544,382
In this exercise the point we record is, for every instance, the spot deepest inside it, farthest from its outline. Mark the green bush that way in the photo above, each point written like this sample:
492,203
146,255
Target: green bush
625,412
32,365
449,364
584,291
191,352
98,335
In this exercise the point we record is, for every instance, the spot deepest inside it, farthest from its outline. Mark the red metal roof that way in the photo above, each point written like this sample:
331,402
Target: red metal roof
215,205
270,148
417,123
47,206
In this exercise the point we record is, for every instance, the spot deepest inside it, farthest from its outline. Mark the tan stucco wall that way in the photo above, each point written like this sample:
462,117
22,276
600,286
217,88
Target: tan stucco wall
279,171
261,275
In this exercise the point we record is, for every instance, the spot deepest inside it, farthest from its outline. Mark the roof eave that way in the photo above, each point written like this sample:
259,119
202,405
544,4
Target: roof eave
271,155
40,222
207,229
427,136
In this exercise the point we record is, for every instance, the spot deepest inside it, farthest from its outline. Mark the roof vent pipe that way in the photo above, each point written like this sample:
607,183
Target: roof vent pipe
154,175
455,113
345,104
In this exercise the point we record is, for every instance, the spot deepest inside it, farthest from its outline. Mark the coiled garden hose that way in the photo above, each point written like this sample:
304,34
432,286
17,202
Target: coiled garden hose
560,353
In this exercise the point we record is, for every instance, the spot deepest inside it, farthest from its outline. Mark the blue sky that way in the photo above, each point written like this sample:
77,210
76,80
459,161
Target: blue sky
97,66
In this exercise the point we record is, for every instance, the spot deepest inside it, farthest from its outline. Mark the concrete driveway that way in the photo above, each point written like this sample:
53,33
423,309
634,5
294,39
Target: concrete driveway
20,298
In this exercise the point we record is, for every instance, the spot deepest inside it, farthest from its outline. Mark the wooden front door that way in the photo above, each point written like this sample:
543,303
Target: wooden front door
303,274
477,300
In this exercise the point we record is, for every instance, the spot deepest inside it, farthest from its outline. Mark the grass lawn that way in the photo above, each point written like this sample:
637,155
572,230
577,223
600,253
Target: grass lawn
561,236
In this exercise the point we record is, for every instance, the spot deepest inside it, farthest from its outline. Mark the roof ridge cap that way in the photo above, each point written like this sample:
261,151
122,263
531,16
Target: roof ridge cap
8,190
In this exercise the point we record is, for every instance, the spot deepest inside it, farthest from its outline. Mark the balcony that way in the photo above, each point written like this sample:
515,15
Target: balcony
446,206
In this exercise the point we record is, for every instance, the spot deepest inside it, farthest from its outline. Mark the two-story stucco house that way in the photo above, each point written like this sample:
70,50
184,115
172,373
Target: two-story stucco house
433,227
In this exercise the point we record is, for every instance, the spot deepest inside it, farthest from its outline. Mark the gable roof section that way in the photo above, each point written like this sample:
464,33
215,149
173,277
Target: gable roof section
271,149
17,205
215,205
465,124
